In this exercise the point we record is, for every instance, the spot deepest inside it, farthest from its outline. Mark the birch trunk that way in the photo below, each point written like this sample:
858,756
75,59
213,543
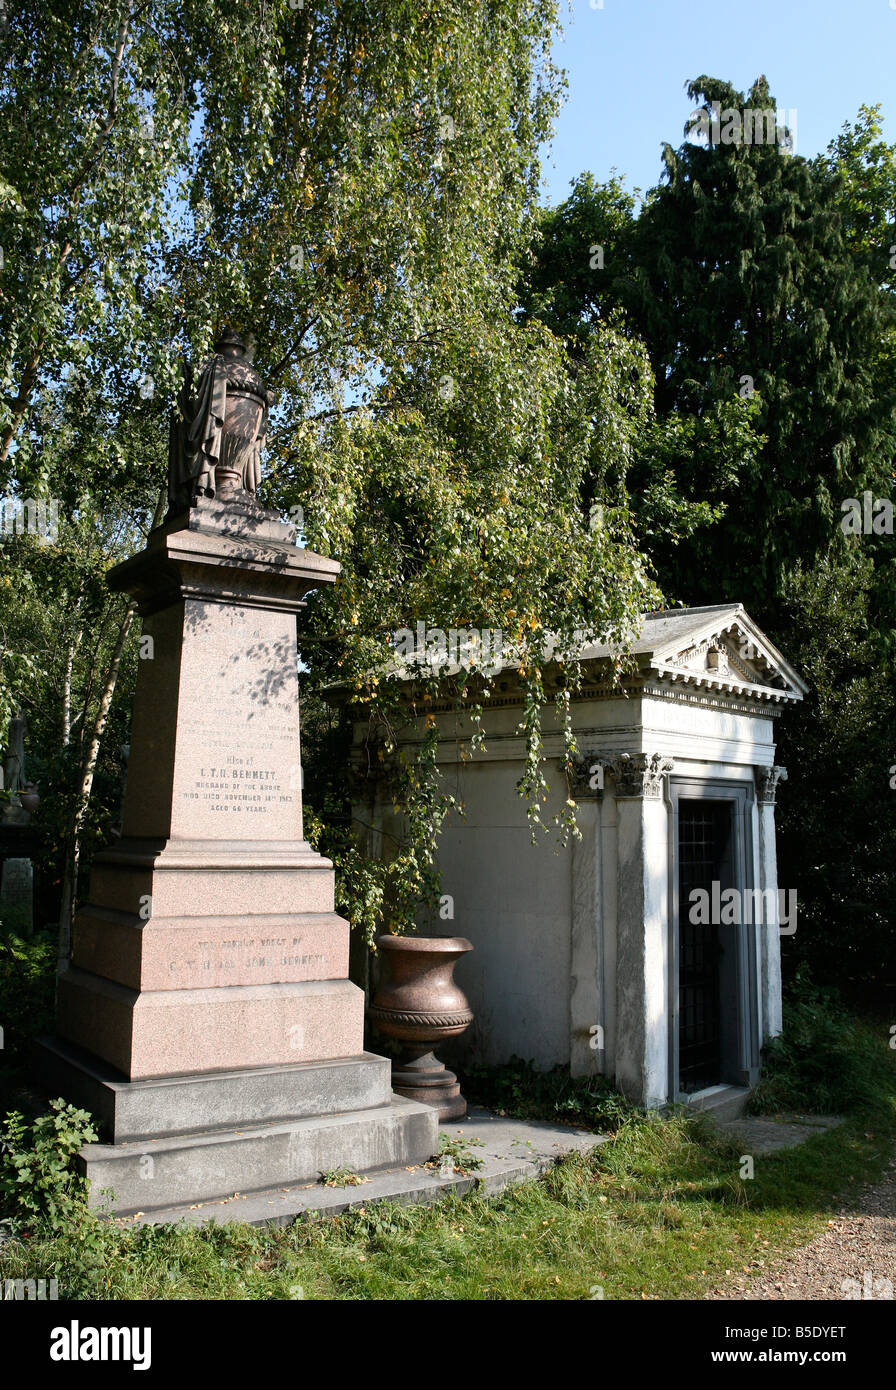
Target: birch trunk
70,877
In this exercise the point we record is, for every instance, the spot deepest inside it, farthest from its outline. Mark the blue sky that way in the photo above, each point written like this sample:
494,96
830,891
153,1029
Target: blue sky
627,64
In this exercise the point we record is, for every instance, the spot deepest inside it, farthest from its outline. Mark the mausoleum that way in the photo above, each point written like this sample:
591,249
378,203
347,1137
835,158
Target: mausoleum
648,949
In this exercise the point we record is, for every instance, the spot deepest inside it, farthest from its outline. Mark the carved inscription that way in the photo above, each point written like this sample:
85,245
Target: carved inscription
239,786
254,953
238,728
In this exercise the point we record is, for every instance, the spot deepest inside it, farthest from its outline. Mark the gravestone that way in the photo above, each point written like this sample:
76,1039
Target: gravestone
17,894
207,1019
17,884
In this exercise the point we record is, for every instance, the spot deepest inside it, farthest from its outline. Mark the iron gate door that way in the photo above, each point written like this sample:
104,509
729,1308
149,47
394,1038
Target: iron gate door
704,832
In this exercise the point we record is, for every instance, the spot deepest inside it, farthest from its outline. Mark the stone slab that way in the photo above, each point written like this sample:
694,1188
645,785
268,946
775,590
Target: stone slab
721,1102
195,555
16,882
215,731
133,1110
157,1173
207,952
512,1151
763,1134
537,1142
167,1032
245,519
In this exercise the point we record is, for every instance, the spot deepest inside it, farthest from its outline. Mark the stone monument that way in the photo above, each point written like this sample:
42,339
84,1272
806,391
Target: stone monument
207,1020
13,779
17,839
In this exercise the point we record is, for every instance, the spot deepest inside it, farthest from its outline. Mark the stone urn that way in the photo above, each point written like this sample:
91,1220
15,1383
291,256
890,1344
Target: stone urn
419,1005
30,797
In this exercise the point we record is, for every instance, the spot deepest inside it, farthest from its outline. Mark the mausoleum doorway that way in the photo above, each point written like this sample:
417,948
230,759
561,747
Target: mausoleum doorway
713,943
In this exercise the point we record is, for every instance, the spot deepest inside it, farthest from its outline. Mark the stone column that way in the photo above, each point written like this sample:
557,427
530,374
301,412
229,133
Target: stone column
767,779
642,959
587,1014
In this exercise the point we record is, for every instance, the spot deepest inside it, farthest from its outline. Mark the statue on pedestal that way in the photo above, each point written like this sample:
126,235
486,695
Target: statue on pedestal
217,433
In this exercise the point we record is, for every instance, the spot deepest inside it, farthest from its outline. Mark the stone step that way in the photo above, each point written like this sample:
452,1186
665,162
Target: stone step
511,1151
280,1206
180,1170
721,1102
132,1110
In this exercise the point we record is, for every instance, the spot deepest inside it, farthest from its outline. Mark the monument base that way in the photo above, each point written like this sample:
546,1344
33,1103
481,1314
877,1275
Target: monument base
199,1137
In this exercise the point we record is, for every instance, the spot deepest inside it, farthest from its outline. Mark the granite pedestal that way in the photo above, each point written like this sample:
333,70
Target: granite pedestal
207,1018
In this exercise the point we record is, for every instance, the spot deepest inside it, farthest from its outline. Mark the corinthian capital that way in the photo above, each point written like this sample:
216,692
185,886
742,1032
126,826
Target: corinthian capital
767,779
641,774
587,776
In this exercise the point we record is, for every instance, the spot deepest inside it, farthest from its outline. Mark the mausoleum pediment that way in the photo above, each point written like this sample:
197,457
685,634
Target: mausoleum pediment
716,650
719,648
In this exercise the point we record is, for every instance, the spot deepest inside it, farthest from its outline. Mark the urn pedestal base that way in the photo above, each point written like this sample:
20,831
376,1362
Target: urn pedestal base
429,1081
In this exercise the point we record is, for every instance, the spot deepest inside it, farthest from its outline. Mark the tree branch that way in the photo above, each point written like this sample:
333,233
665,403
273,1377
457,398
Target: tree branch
275,371
117,58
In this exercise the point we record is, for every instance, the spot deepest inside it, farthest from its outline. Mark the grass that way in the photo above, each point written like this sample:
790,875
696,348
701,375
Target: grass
342,1177
660,1212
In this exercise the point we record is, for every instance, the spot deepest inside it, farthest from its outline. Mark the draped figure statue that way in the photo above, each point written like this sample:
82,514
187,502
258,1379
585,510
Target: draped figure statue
217,432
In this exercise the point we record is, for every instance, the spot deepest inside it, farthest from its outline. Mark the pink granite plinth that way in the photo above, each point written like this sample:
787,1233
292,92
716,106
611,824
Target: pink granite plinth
171,1032
205,952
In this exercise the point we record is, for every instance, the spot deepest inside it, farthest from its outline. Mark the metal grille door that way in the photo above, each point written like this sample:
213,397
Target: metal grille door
704,828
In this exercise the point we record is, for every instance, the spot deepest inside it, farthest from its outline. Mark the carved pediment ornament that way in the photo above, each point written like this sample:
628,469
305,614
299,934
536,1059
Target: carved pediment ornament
732,653
717,658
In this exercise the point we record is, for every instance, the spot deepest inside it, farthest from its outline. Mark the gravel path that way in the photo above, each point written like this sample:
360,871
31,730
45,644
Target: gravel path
854,1258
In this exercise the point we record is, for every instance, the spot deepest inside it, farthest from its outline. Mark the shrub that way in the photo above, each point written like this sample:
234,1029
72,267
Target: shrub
825,1060
39,1183
27,982
520,1089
